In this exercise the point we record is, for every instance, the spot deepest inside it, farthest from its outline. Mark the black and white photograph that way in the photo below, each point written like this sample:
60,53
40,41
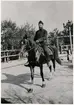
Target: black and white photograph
37,52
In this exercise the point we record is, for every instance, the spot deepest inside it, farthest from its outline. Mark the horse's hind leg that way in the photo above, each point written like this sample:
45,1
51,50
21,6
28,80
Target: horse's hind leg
50,68
53,61
42,76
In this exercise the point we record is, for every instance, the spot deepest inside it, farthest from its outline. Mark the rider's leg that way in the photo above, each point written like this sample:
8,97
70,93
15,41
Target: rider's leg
48,54
47,51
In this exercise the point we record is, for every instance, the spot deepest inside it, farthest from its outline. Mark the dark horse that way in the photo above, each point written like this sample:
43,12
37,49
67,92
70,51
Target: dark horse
36,57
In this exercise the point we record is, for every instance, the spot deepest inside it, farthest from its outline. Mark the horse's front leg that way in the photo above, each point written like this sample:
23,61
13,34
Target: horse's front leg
42,76
32,74
32,78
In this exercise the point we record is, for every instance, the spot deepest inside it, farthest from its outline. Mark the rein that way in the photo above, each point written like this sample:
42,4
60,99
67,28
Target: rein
35,46
30,49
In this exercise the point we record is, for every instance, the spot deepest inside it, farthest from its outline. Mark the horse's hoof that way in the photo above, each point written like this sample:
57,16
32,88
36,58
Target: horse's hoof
43,85
30,82
30,90
50,75
48,79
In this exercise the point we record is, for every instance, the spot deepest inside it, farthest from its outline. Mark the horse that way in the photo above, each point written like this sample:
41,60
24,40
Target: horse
36,57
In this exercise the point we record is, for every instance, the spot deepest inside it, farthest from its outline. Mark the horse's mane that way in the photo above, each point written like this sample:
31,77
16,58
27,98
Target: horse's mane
36,46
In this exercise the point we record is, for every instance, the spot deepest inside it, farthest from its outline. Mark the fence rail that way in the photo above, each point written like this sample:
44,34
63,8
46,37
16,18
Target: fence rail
5,56
10,50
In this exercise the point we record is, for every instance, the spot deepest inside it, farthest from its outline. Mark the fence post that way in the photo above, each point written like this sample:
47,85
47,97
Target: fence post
19,55
4,57
7,57
70,38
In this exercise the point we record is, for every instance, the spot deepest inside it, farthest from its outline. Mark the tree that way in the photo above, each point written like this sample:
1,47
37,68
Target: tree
66,31
12,35
53,37
8,29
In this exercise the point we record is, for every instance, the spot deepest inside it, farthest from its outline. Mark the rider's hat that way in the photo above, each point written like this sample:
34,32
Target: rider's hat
40,22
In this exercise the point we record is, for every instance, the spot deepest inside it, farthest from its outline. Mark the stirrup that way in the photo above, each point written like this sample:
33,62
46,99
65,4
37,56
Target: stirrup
26,64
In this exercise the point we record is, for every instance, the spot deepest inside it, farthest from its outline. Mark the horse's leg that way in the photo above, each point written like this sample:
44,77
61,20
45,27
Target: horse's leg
32,74
42,76
53,61
50,68
32,77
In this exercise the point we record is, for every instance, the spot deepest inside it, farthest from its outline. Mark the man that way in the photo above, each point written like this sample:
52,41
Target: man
41,37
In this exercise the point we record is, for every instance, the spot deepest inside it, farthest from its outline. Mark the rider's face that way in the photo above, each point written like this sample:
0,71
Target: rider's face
40,26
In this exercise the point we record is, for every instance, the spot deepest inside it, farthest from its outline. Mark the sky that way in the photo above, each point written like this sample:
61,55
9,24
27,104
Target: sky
52,13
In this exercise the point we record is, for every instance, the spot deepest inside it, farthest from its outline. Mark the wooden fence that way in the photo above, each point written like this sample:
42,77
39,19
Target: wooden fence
7,54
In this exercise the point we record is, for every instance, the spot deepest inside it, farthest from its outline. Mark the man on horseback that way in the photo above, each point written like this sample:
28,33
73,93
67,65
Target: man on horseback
41,38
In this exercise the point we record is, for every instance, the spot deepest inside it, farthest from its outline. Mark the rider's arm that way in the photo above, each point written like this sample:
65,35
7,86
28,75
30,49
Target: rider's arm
45,35
44,39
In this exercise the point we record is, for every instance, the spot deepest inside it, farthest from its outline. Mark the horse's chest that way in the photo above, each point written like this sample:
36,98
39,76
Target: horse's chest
31,56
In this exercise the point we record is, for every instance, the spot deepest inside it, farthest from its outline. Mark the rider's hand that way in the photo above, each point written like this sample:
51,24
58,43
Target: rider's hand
37,41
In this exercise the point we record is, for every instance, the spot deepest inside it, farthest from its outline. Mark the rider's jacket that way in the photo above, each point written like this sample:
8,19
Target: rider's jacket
41,35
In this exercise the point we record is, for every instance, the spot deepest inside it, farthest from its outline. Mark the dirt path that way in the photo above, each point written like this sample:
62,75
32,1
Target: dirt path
59,89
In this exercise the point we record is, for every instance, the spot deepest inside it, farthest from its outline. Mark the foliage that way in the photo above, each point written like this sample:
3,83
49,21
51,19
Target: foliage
12,35
53,37
68,29
56,33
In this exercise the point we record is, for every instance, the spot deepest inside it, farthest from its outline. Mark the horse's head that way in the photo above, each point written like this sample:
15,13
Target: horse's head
28,44
32,49
24,48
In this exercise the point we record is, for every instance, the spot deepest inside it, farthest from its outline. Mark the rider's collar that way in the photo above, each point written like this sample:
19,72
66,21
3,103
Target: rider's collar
41,29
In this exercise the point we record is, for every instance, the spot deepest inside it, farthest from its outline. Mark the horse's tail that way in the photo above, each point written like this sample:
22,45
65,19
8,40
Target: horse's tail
56,57
58,60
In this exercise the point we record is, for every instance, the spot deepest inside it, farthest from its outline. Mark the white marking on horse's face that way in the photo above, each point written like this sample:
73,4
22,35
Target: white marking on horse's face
37,55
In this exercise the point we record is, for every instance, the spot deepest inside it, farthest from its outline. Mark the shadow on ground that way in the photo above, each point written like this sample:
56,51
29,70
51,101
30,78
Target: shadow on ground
16,80
19,79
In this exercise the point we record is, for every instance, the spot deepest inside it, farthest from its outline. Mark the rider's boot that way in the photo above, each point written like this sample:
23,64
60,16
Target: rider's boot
26,64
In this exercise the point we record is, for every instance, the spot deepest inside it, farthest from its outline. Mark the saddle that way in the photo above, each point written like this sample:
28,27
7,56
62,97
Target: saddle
38,47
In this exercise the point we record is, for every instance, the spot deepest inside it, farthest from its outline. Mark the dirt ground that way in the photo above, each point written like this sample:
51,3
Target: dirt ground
16,81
